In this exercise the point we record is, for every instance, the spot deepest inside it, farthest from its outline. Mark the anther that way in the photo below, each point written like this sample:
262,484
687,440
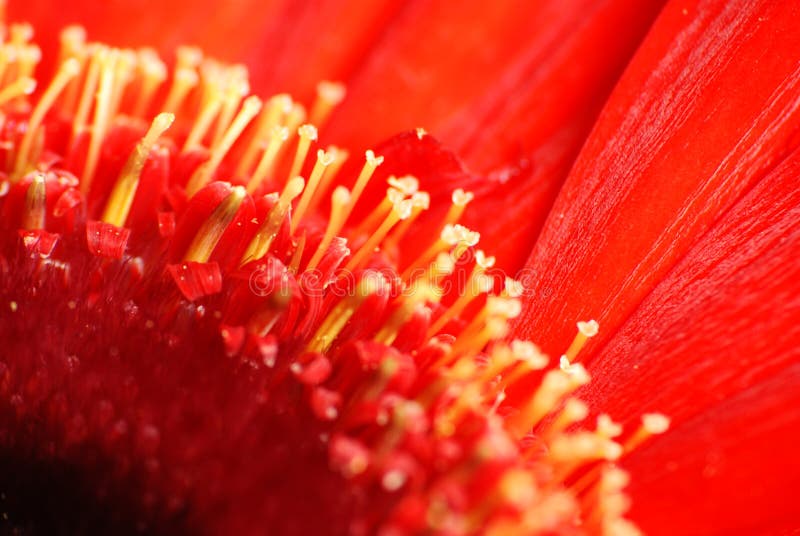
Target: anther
102,118
371,164
652,424
19,88
266,165
153,73
324,159
262,241
586,330
33,216
400,211
271,116
329,94
307,134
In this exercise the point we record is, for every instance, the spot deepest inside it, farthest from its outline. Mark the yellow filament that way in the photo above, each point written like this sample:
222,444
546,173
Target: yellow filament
237,88
475,287
339,202
420,201
121,198
98,58
307,134
21,87
262,241
586,330
400,211
329,94
341,313
210,233
203,174
72,45
268,159
339,157
271,116
65,73
323,161
371,164
35,204
184,80
102,118
209,109
153,73
297,256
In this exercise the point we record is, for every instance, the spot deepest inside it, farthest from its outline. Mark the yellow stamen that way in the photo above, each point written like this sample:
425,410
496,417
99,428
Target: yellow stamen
19,88
326,334
262,241
121,198
420,202
478,283
340,199
400,211
586,330
409,304
268,159
210,106
379,213
329,94
371,164
98,54
297,256
33,215
307,134
65,73
203,174
271,116
72,45
153,73
456,236
652,424
184,79
102,118
324,160
236,89
460,200
210,233
339,157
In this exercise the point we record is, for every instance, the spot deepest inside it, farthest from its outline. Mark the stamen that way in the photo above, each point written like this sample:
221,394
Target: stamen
400,211
277,107
21,87
329,94
326,334
456,236
307,134
33,216
340,200
203,174
209,234
72,46
324,159
477,284
213,96
236,89
262,241
369,168
65,73
98,56
652,424
339,157
420,202
379,213
184,79
153,73
121,198
102,118
460,200
267,164
586,330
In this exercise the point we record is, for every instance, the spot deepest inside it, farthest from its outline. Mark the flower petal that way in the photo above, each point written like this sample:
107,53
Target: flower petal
715,347
687,131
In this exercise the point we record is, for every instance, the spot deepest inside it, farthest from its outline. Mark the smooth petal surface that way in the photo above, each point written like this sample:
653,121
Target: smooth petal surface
687,131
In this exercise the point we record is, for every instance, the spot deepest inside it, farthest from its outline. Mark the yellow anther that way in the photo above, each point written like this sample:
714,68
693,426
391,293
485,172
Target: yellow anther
460,200
421,132
400,211
66,72
121,198
262,241
210,233
379,213
20,33
371,164
411,302
324,159
203,174
267,164
524,357
213,96
573,412
329,94
339,157
340,199
652,424
586,330
19,88
183,81
456,236
33,215
152,73
307,134
371,283
72,45
420,202
271,116
27,59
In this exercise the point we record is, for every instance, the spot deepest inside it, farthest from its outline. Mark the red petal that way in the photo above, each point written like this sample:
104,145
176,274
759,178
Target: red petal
715,347
687,131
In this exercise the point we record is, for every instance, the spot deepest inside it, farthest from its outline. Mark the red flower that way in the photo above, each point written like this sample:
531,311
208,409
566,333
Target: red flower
181,353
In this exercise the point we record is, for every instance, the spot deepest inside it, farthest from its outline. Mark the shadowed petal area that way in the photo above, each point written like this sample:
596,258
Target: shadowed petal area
715,346
687,131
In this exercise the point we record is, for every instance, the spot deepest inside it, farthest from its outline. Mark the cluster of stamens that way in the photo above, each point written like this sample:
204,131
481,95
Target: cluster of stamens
406,361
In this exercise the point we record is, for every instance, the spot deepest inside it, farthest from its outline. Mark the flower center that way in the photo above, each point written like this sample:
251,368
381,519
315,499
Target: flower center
184,206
